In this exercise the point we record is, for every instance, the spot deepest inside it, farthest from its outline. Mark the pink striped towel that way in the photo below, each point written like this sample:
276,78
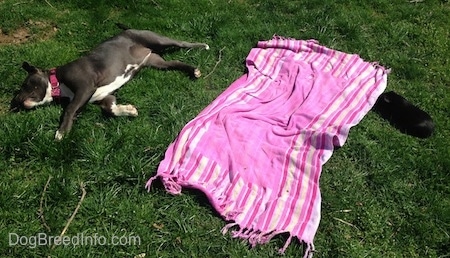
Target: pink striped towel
258,149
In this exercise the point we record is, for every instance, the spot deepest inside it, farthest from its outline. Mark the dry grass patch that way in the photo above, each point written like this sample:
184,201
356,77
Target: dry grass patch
32,30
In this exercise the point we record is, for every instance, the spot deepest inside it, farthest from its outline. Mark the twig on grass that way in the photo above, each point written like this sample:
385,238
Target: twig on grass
19,3
41,205
346,223
344,211
217,63
83,194
156,4
49,4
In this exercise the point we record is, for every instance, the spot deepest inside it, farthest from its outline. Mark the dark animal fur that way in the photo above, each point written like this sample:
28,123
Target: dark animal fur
403,115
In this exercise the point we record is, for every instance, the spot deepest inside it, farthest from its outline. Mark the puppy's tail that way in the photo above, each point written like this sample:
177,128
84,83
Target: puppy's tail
122,26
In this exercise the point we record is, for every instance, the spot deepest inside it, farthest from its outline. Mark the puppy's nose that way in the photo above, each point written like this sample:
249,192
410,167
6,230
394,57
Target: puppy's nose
16,104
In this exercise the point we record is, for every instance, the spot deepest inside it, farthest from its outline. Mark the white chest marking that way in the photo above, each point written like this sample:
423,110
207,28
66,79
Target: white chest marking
105,90
102,91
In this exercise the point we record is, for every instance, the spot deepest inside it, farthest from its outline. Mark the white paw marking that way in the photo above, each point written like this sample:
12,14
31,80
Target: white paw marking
58,135
206,47
197,73
124,110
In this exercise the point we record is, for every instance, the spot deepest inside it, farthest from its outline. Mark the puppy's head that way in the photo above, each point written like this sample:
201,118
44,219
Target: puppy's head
35,90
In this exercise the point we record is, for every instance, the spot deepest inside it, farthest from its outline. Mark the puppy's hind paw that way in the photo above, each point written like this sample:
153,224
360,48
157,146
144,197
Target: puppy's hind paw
58,136
197,73
131,110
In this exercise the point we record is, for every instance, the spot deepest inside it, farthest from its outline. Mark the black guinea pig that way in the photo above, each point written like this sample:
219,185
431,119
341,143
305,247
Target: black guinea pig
403,115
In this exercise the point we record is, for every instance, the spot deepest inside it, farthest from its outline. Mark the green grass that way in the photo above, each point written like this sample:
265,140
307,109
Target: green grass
385,194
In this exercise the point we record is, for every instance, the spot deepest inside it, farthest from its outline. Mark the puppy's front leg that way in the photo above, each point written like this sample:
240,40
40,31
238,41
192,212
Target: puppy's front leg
79,100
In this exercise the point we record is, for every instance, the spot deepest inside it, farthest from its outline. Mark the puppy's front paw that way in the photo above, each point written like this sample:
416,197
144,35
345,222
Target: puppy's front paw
125,110
131,110
197,73
206,47
58,136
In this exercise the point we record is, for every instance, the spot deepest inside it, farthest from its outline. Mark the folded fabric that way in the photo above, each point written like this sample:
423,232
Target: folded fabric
257,150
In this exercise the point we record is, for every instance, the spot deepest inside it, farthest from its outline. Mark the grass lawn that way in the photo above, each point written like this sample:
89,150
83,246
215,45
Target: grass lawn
385,194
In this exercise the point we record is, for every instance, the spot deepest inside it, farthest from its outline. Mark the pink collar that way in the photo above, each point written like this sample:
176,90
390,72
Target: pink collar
56,90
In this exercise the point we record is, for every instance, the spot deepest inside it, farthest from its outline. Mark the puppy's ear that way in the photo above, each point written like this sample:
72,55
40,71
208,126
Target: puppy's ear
29,68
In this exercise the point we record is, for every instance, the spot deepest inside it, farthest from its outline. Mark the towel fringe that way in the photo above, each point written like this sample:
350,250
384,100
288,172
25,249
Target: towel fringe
288,241
309,252
378,66
236,233
227,227
231,215
255,237
229,211
169,183
246,233
265,238
149,182
171,186
277,37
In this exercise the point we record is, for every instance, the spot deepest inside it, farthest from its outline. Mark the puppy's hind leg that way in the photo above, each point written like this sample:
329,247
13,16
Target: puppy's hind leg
157,61
156,41
110,107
